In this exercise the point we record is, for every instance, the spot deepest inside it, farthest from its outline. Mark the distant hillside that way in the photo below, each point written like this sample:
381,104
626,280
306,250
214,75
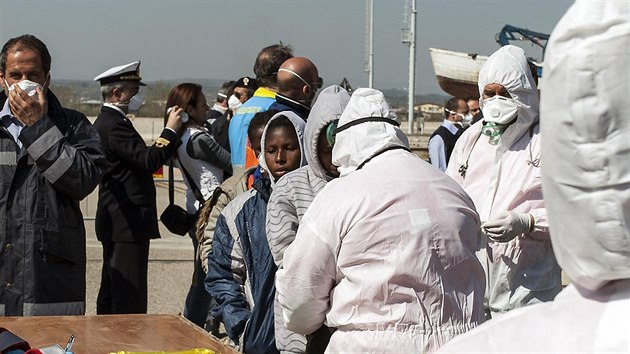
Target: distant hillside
398,98
85,96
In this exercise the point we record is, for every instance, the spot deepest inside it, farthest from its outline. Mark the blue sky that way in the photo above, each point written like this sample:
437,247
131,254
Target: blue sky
219,39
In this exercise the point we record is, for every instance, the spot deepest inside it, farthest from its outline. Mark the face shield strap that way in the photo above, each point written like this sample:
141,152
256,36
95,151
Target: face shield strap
365,120
382,152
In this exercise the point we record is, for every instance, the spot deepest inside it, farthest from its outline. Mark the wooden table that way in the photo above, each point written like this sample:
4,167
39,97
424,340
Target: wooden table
112,333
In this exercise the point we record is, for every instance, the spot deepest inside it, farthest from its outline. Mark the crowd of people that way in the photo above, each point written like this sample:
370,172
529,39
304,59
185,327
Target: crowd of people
316,228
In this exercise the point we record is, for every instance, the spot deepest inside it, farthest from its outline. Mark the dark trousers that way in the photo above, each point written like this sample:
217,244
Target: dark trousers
123,278
197,305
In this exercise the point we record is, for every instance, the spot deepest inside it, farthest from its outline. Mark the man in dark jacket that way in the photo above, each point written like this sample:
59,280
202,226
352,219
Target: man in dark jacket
443,139
126,216
50,158
220,106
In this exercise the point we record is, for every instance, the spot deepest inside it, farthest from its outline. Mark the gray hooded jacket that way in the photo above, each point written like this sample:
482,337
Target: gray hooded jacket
294,192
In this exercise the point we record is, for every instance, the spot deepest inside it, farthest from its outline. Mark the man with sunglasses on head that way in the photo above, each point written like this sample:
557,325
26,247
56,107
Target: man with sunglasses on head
443,139
298,82
266,68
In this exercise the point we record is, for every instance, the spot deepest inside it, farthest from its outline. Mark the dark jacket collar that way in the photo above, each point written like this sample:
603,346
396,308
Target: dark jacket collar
299,108
106,109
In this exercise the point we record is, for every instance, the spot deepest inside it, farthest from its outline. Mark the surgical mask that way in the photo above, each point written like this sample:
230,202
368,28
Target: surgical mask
234,103
135,102
468,118
28,86
500,110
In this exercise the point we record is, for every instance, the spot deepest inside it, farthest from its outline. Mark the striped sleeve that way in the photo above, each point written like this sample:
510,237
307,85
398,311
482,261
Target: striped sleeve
282,219
72,160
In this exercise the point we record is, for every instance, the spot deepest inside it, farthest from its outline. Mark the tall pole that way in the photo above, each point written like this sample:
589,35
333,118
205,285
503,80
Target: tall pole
412,65
369,41
371,52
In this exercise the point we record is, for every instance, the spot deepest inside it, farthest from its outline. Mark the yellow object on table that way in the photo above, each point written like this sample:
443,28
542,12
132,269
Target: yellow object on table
191,351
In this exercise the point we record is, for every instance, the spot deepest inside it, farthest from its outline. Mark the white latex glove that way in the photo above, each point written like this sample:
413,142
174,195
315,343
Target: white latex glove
509,225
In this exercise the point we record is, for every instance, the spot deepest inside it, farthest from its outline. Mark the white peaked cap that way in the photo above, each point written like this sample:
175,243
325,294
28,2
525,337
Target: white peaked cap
127,72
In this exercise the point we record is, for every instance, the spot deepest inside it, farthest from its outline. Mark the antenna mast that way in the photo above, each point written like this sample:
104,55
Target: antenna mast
369,41
409,38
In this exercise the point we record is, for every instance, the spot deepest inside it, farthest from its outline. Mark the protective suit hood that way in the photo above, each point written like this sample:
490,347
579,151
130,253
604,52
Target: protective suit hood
328,107
508,67
360,142
298,124
586,144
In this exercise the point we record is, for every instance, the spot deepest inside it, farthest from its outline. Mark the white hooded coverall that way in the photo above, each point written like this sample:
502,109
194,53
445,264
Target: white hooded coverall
506,177
585,121
292,196
385,253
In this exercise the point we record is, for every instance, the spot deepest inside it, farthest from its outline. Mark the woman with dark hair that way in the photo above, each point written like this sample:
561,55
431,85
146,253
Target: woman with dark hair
202,162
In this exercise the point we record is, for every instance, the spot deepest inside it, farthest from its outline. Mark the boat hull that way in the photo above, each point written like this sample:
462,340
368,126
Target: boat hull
458,88
457,73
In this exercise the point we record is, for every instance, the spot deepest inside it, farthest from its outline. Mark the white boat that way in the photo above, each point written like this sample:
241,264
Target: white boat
457,72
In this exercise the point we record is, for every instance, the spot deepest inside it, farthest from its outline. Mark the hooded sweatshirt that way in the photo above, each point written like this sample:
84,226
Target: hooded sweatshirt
298,124
294,193
241,271
586,180
374,255
506,177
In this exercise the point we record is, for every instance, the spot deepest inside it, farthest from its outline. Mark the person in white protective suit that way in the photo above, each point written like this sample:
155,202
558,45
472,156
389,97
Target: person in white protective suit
386,252
497,162
585,122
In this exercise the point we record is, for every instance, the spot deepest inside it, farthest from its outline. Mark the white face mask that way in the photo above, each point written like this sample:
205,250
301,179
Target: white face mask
134,103
500,110
28,86
467,120
234,103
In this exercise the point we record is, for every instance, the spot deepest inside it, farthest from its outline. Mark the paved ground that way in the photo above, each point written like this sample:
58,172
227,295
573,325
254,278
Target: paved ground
170,258
170,265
